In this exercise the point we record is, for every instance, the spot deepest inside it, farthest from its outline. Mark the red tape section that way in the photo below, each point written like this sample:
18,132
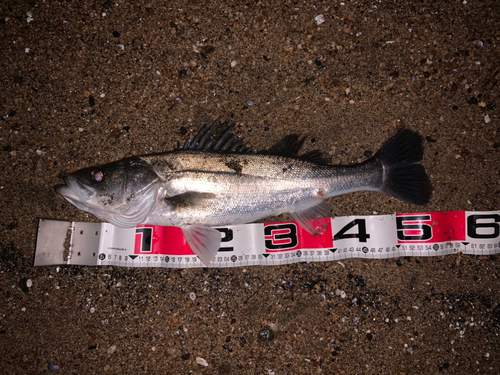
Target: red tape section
414,228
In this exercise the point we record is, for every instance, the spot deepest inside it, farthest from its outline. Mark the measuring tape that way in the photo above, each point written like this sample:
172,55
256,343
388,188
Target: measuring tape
273,244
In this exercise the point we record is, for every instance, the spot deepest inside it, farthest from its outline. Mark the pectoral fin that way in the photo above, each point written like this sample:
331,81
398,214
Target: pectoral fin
188,199
204,241
308,219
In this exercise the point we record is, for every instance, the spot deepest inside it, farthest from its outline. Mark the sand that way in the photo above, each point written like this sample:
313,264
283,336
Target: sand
87,83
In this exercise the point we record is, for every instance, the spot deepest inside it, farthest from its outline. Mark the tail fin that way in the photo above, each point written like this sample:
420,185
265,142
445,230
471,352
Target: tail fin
403,177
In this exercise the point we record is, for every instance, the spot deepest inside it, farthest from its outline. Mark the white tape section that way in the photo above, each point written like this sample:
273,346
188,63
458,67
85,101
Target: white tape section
369,237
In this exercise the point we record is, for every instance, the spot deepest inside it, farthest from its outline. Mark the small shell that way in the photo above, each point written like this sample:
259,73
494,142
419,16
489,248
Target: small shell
201,361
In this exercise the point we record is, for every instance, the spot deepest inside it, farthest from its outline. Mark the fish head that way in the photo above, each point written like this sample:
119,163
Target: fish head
122,193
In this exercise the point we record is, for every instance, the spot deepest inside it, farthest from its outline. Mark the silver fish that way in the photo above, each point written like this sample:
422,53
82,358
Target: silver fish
220,182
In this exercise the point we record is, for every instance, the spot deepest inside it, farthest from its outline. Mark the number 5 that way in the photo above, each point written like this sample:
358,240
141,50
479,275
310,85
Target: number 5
402,225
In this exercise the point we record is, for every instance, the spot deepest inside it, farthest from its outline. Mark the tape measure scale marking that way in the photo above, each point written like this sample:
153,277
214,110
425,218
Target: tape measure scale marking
370,237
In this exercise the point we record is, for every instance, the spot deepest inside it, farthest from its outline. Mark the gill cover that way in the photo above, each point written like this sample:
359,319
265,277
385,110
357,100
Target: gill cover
122,193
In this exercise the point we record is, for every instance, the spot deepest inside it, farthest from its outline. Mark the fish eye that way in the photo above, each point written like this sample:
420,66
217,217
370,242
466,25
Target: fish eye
97,176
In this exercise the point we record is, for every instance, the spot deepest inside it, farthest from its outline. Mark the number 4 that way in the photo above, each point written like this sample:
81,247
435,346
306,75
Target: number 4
361,235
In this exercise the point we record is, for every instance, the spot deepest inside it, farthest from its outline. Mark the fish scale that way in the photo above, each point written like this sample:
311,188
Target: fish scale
264,186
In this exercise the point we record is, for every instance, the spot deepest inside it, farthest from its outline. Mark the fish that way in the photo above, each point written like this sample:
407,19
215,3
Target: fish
215,180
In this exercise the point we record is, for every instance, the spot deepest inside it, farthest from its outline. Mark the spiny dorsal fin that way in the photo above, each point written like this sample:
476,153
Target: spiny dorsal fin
218,137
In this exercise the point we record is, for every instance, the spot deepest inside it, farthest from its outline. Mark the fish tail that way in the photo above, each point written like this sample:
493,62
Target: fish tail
403,177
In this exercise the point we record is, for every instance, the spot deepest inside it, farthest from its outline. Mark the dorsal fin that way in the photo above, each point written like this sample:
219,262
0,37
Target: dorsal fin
316,157
288,146
218,137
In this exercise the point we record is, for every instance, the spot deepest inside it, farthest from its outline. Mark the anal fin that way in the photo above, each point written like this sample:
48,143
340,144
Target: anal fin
309,219
204,241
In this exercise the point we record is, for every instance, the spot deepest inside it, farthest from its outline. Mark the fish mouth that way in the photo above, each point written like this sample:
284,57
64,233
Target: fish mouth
74,191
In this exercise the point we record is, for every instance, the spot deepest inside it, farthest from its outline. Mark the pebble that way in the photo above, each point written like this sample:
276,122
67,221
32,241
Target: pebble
487,119
266,334
112,349
201,361
192,296
92,310
319,19
248,102
234,63
52,367
29,283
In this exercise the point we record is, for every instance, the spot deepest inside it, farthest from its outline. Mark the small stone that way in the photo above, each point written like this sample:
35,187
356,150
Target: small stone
473,101
487,119
248,102
192,296
201,361
319,19
266,334
29,283
92,310
112,349
274,327
53,367
207,50
234,63
172,351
